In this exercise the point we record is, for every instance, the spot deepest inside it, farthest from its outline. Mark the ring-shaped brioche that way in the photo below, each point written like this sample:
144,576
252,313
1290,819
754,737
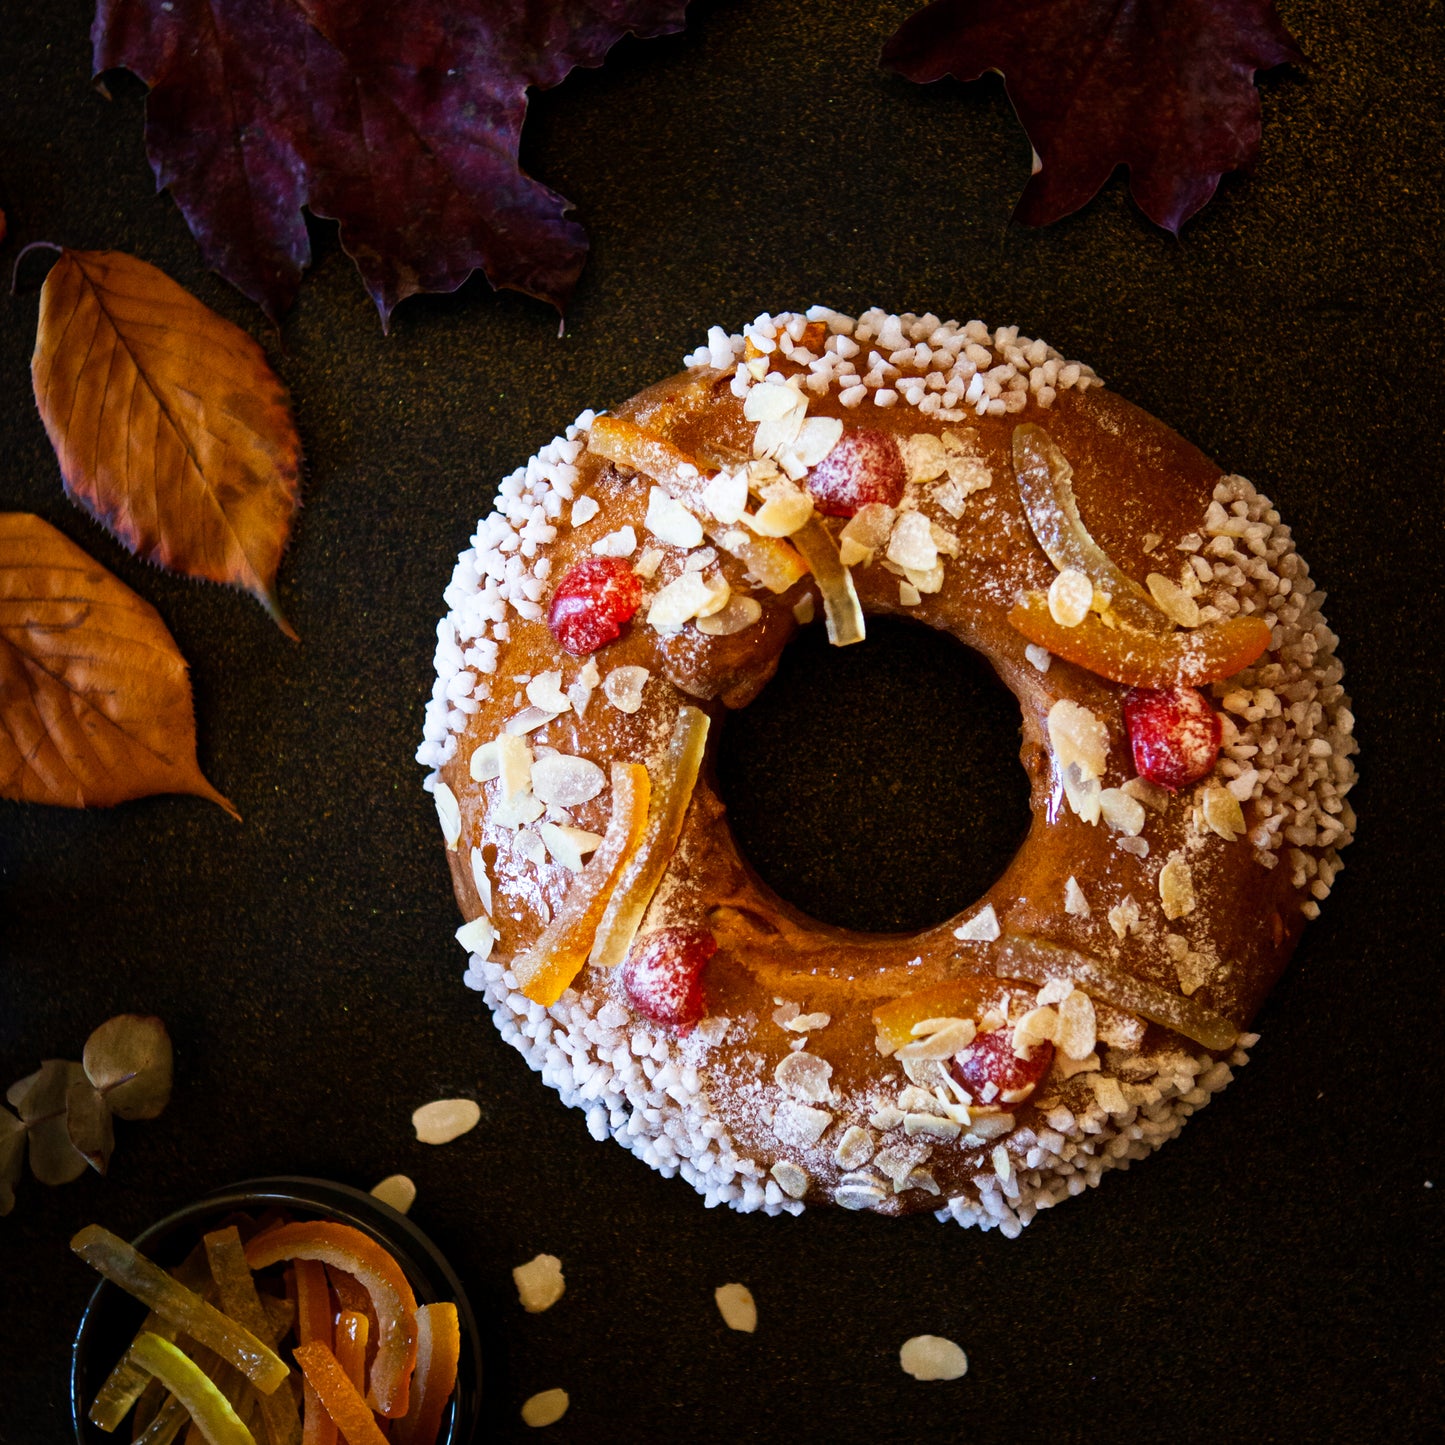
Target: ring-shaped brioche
1129,906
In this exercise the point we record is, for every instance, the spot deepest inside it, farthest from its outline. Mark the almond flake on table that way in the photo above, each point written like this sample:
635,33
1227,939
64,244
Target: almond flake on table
545,1408
397,1191
931,1357
443,1120
540,1283
736,1305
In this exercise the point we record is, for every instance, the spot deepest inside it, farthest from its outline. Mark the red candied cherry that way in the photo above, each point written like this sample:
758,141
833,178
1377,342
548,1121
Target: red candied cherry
990,1059
866,466
663,974
1174,734
593,603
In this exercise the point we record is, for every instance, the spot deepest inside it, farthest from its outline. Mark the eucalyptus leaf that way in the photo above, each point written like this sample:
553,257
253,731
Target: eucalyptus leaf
88,1122
53,1158
19,1089
12,1158
128,1058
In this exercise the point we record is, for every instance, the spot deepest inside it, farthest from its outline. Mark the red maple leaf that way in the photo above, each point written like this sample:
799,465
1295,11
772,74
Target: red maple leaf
1164,87
399,121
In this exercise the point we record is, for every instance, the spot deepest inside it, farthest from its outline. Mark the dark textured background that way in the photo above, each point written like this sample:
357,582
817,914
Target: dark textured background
1274,1273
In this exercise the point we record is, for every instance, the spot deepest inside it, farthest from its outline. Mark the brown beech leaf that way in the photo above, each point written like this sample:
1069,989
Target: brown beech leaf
171,428
95,704
130,1060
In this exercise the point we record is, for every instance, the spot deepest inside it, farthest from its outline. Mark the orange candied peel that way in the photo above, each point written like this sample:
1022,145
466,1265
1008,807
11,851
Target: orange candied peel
771,560
438,1352
958,998
675,784
557,957
345,1248
348,1412
1145,659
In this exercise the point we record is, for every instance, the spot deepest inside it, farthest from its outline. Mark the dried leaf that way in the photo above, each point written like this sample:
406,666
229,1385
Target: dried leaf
95,705
53,1158
89,1125
399,121
12,1158
170,426
129,1059
1164,87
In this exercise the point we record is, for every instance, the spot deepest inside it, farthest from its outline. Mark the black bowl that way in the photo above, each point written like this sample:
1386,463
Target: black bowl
112,1317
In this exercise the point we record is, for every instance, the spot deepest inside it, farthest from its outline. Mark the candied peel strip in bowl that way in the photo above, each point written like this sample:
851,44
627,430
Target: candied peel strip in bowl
770,559
313,1326
557,957
438,1353
349,1413
1046,485
671,795
240,1300
841,607
197,1393
125,1384
1144,659
186,1310
351,1335
1036,960
344,1248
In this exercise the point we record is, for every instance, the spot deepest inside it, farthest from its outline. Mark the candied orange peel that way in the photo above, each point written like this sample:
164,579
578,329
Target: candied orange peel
677,779
1145,659
771,560
438,1353
958,998
345,1248
557,957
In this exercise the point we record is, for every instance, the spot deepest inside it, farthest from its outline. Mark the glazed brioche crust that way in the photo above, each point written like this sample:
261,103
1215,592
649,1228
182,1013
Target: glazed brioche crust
711,1103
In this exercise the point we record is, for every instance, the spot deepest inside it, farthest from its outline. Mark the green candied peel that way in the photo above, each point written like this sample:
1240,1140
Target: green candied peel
1036,960
126,1382
211,1411
242,1302
841,607
1046,485
178,1306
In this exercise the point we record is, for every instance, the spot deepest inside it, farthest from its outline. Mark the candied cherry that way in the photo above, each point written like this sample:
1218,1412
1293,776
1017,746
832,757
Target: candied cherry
866,466
1174,734
593,602
663,974
990,1059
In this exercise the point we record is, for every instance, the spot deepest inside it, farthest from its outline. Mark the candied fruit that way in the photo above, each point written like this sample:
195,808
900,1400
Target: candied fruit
1174,735
866,466
990,1060
663,974
594,601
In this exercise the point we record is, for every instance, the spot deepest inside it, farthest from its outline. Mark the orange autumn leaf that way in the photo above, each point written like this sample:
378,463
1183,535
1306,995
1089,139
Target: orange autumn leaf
171,428
95,704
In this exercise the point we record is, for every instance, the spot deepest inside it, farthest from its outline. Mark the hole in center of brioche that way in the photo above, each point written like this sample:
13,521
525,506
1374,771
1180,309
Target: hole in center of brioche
877,787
